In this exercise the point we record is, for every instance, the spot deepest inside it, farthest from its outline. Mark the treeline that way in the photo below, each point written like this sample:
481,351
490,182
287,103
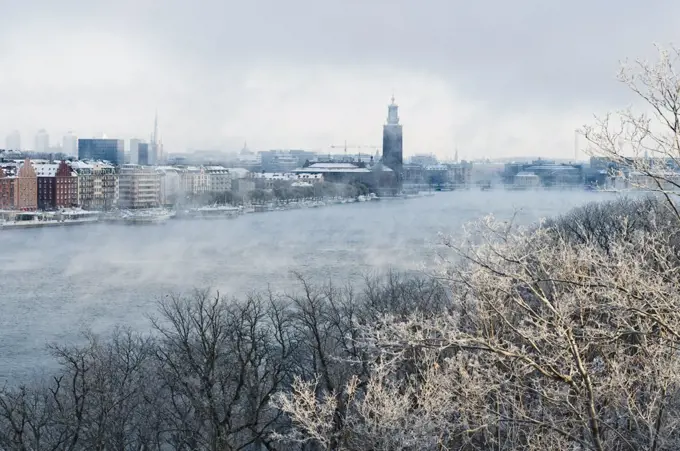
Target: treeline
204,379
563,335
282,192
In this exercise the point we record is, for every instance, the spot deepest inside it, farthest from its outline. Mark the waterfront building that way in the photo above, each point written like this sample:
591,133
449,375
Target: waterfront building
170,185
97,184
138,186
25,187
57,186
194,180
392,149
527,180
377,177
102,149
6,191
219,179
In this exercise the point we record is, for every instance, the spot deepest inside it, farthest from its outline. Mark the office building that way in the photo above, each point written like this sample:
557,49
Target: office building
111,150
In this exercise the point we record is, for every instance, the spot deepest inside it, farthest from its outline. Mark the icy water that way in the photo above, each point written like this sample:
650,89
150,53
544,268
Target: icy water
55,283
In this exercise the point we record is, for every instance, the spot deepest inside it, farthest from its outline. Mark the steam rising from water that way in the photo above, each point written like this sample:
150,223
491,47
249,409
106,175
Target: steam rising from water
57,282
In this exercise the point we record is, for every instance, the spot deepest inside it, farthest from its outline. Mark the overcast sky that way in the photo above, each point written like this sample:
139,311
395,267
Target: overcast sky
494,77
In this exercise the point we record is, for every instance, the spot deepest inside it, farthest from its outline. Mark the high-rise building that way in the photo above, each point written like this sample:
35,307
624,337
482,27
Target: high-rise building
70,144
143,154
134,150
13,141
393,153
154,150
111,150
42,141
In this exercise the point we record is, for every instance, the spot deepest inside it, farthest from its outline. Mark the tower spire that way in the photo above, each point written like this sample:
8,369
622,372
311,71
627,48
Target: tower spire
155,127
392,113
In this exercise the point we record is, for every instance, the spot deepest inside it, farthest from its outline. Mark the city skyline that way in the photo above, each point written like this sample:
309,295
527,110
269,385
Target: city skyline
491,79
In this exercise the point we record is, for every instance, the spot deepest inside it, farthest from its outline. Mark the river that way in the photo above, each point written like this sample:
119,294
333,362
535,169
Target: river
57,282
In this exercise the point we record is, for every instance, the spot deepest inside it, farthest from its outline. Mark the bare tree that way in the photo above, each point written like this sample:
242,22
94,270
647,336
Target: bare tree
554,343
647,142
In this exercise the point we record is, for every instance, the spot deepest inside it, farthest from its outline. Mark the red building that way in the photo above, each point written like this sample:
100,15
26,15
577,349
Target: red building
25,187
6,191
57,186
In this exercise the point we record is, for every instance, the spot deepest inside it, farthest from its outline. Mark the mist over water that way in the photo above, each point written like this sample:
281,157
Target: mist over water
57,282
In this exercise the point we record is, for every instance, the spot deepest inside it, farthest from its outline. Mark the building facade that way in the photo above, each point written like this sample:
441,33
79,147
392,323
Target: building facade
111,150
170,185
57,186
6,191
194,180
143,154
219,179
97,185
393,153
138,187
26,187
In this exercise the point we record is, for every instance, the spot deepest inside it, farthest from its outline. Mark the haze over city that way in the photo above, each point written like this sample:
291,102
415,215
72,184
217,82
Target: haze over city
492,78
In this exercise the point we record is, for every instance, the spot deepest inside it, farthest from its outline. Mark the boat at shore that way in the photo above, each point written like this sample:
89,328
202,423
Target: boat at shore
37,223
139,217
212,212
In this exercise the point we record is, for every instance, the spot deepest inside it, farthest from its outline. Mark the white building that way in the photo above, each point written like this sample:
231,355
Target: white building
170,185
527,180
70,144
194,180
139,186
219,179
42,141
13,141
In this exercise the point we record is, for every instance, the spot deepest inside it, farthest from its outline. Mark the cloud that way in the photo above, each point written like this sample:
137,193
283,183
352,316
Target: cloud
491,77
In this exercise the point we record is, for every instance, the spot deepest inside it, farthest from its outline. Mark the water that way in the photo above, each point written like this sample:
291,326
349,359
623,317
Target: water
57,282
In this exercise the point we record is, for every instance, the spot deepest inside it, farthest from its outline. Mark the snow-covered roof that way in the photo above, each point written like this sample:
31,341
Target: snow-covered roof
46,170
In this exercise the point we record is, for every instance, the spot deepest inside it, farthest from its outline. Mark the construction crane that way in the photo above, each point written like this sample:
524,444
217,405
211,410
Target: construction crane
345,147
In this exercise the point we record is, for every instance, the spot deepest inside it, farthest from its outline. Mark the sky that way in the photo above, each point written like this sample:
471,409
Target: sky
492,78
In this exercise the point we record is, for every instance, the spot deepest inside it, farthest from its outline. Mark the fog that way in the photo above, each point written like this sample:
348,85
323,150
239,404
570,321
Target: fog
59,282
497,79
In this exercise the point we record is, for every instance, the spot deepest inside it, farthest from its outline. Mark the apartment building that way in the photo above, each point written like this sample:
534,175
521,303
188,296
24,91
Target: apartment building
138,186
97,184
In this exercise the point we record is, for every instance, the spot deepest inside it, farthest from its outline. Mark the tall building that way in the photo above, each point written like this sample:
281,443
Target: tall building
134,150
393,153
70,144
154,150
13,141
111,150
143,154
42,141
